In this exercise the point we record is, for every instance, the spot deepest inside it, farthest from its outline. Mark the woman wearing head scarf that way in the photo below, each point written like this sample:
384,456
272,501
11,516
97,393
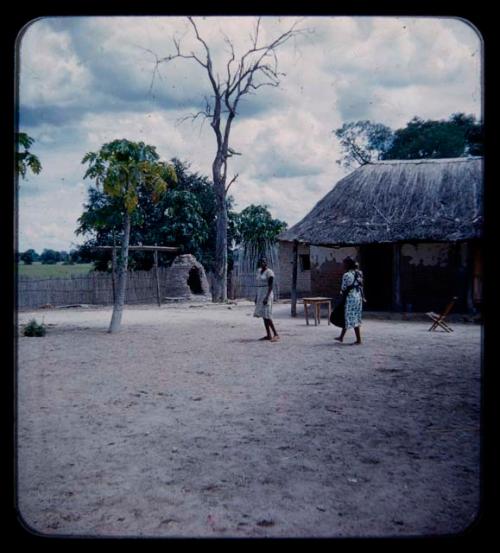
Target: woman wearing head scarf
264,299
352,287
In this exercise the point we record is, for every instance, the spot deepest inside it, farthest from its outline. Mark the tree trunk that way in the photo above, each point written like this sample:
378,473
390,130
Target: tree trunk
220,284
220,280
116,318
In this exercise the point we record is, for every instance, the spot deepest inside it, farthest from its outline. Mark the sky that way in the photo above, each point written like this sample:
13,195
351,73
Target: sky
85,81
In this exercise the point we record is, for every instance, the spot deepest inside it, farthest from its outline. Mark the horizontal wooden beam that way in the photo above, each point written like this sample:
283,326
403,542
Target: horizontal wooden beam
145,248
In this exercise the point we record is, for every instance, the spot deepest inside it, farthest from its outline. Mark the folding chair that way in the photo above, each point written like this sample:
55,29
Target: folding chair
439,319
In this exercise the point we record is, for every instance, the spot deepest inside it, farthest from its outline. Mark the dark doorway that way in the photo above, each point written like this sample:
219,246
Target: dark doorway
376,263
305,262
194,281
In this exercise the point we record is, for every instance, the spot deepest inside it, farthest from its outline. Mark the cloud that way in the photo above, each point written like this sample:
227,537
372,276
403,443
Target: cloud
287,144
438,57
49,220
51,72
74,66
287,199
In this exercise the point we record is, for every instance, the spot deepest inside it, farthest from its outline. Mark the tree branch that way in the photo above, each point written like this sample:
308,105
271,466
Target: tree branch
257,29
357,152
256,68
155,70
230,61
244,82
208,64
192,117
231,181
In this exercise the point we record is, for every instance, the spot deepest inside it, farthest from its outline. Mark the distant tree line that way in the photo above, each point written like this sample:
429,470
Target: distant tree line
50,257
364,142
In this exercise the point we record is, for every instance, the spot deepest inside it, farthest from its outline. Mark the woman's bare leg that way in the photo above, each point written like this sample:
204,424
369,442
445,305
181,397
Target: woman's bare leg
357,331
268,331
342,334
271,326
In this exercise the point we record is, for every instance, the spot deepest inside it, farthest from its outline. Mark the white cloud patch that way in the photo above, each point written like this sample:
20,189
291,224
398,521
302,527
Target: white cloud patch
283,145
49,220
51,72
438,57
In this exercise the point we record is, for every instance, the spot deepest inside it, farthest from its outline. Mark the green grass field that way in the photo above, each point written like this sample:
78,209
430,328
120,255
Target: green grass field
37,270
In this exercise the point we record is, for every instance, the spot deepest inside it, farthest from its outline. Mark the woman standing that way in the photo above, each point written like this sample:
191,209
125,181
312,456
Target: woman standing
352,287
264,299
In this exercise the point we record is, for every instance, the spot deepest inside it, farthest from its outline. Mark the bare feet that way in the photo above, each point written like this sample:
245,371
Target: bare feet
265,338
338,339
275,338
356,343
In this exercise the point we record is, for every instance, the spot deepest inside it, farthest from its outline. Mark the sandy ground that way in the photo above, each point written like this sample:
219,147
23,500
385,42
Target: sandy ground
185,425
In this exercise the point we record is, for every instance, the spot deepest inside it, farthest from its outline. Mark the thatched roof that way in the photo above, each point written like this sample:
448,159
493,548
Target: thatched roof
394,201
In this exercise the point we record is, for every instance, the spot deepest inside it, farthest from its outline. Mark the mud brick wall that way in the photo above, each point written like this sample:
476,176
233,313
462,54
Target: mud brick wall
285,252
327,269
431,274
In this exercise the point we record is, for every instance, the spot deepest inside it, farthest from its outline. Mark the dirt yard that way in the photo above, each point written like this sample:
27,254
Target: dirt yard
185,425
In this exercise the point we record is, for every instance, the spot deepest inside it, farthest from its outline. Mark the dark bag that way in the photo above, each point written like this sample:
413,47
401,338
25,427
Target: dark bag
337,316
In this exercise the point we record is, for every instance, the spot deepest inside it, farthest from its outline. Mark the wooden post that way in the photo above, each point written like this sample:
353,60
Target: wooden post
294,278
158,295
396,277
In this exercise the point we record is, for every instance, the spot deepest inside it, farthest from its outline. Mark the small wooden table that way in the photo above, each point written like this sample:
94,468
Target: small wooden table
316,303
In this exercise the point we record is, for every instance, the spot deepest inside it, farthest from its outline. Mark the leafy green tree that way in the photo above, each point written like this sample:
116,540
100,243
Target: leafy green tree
87,253
459,136
29,256
49,257
185,218
24,158
363,142
193,202
102,220
257,232
75,257
121,168
473,133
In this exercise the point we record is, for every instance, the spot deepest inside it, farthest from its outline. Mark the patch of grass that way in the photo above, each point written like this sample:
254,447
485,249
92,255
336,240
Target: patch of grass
34,329
58,270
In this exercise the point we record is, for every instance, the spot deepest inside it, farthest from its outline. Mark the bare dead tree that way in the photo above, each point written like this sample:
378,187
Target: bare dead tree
256,68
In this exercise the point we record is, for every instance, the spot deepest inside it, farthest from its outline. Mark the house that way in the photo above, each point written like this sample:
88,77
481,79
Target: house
415,227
